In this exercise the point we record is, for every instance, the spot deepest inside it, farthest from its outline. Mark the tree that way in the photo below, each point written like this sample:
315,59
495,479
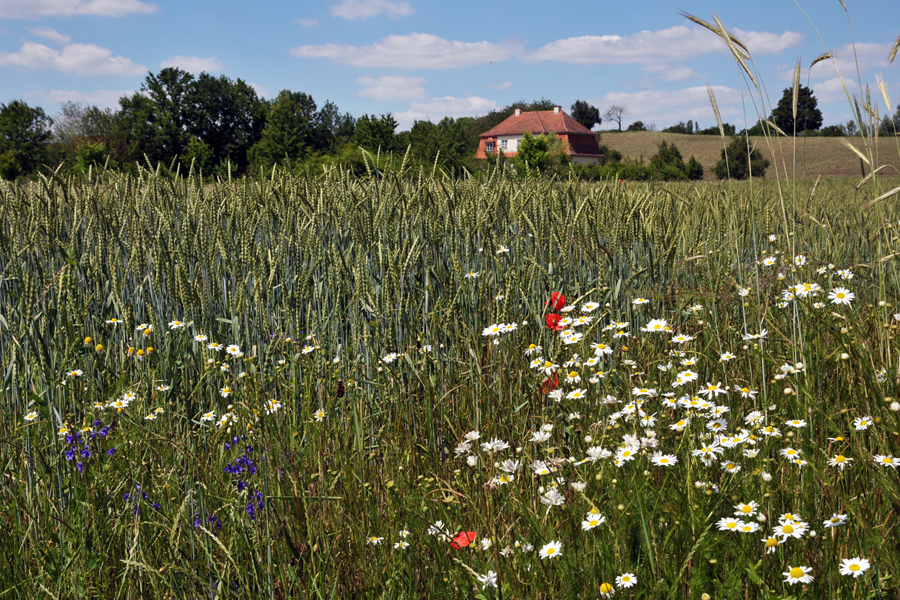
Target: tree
890,124
689,128
24,133
445,142
668,163
289,133
694,169
80,131
730,130
616,113
138,117
374,133
227,116
736,163
636,126
809,117
585,114
169,93
534,151
333,129
173,107
543,152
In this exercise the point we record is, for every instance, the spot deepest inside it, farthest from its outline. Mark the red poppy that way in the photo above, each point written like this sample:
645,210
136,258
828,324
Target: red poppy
553,321
462,539
557,301
550,384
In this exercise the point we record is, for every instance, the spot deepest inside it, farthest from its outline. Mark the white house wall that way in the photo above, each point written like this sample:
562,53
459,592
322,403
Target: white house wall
512,143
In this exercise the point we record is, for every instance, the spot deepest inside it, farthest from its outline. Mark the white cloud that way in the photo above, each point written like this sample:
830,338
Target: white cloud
436,109
665,45
868,56
23,9
102,98
50,34
392,87
501,86
670,73
193,64
78,59
365,9
260,91
668,107
307,22
415,51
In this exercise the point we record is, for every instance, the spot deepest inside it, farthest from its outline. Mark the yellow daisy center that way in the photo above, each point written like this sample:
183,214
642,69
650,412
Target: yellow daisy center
796,572
787,529
854,567
840,458
746,509
550,551
605,588
771,542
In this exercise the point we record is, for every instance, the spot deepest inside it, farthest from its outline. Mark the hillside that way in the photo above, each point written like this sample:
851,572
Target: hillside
816,156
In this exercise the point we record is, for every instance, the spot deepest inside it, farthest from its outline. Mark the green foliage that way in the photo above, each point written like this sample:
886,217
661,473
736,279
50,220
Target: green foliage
585,114
543,153
534,151
10,168
668,164
225,115
614,171
736,163
24,133
377,133
693,169
831,131
809,117
446,142
636,126
290,131
90,154
730,130
198,155
689,128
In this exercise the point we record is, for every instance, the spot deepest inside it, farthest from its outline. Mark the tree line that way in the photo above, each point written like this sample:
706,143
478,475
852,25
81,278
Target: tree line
221,126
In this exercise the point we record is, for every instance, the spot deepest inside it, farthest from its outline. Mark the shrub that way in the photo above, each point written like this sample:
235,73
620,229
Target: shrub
738,164
668,164
694,169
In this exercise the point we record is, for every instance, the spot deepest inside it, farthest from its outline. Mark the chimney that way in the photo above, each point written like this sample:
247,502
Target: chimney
556,110
518,111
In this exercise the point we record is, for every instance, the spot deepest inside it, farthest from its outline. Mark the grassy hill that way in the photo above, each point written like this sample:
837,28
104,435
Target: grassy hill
825,156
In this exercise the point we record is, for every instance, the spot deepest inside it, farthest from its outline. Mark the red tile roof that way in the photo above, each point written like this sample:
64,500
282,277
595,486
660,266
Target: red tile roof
537,122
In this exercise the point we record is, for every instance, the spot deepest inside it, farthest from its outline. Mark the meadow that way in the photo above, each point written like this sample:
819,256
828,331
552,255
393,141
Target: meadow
405,385
825,157
410,385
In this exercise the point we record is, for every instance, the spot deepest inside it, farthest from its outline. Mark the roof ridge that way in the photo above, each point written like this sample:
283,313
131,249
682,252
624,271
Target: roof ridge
541,121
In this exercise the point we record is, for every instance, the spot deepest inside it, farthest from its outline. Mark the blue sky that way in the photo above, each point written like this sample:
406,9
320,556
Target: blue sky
420,59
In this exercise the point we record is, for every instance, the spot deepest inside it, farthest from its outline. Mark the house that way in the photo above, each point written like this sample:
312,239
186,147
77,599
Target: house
580,143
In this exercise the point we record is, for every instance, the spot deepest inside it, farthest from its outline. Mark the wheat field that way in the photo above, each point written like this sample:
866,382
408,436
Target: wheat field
288,387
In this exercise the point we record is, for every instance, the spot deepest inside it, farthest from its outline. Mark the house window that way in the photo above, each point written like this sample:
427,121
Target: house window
503,144
489,147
